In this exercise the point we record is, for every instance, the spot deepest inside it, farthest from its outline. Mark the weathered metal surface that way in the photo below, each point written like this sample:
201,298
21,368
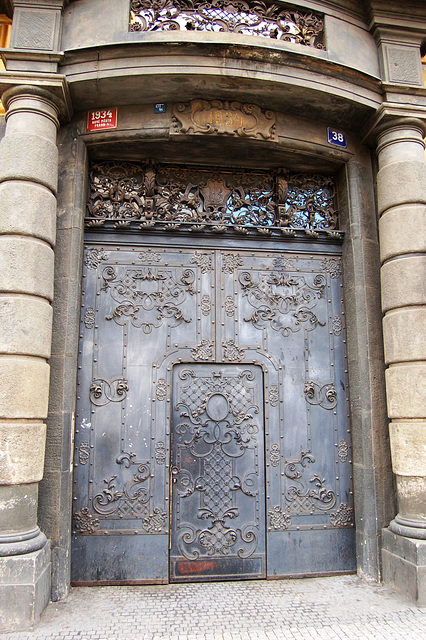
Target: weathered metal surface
218,501
149,314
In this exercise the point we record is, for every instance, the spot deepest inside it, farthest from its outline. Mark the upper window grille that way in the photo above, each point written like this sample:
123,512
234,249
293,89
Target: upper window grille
150,195
250,18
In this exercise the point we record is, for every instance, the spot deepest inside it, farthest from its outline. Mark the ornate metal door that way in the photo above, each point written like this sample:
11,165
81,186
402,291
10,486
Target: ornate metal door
232,353
218,501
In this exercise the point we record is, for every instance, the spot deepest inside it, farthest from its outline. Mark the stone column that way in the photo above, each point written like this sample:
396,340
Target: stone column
401,192
28,179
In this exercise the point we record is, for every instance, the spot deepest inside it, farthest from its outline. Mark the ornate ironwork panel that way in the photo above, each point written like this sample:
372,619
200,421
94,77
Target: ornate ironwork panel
218,501
252,17
241,355
153,196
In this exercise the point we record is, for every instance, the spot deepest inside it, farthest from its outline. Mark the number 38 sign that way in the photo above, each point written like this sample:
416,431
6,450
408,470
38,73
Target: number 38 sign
102,119
336,137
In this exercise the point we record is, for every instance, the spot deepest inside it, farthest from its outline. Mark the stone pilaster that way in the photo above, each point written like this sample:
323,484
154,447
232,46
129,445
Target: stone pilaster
28,180
401,190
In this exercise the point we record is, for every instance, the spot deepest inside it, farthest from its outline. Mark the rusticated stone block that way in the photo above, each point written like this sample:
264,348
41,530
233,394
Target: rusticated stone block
401,183
25,326
24,589
401,231
22,447
25,387
404,565
404,332
21,154
26,266
28,209
405,386
408,446
403,282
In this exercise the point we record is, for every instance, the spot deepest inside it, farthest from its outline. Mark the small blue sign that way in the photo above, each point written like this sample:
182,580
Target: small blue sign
336,137
160,107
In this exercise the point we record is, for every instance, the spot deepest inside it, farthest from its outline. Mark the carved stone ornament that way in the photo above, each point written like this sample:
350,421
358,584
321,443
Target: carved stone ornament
224,118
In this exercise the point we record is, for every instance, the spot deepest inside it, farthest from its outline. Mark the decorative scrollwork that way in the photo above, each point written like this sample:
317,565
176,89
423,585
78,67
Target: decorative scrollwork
84,452
229,306
155,522
161,392
246,17
206,305
231,262
232,352
343,517
273,395
203,351
203,261
148,296
132,499
337,325
275,455
95,257
102,391
218,429
278,520
301,497
89,318
160,453
343,451
333,266
324,395
283,301
123,193
149,256
84,522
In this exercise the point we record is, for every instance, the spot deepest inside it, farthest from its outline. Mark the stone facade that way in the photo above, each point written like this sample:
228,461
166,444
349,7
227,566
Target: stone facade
363,79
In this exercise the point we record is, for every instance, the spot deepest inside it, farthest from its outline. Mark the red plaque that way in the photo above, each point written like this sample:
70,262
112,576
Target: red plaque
102,119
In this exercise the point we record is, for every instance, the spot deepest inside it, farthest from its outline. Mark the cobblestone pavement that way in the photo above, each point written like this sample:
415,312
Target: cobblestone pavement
314,608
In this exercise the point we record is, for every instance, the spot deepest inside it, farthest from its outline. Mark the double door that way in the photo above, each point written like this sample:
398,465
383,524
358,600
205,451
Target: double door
212,431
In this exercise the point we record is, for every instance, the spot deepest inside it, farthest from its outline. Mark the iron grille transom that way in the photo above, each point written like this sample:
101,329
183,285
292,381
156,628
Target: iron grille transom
252,18
146,195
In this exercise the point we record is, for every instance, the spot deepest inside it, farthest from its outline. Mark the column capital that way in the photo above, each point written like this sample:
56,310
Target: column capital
51,87
391,115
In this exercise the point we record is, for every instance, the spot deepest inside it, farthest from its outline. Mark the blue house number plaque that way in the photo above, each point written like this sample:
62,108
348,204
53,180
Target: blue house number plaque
336,137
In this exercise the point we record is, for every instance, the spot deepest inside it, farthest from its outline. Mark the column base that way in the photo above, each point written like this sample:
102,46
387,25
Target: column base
404,565
24,589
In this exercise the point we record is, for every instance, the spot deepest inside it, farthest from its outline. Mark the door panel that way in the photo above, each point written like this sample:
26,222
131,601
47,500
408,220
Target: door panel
218,501
288,315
